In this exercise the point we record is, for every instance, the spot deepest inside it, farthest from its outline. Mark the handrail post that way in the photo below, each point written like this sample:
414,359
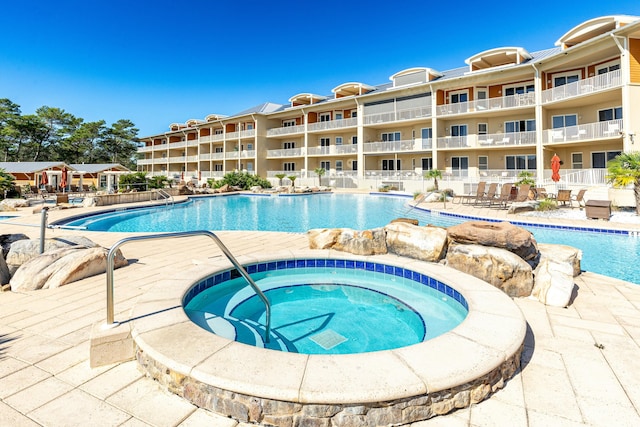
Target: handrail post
43,227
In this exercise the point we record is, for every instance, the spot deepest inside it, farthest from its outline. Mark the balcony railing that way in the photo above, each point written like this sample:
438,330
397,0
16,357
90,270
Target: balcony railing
178,144
333,124
490,140
395,146
193,143
242,134
333,149
598,130
272,174
482,105
400,115
144,161
177,159
289,152
583,87
286,130
146,149
244,154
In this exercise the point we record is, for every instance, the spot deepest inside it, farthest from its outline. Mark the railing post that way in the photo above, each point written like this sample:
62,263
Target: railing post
43,227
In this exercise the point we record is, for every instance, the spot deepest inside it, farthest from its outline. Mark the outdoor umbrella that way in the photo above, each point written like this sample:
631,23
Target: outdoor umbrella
555,168
63,180
43,179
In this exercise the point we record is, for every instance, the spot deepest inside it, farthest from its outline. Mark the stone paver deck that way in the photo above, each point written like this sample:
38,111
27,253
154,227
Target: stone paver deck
581,364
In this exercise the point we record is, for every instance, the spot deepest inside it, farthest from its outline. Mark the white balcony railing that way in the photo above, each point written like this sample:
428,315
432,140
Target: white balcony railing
333,124
193,143
483,105
144,161
395,146
177,159
286,130
400,115
333,149
490,140
192,158
242,134
289,152
272,174
583,87
178,144
149,148
598,130
244,154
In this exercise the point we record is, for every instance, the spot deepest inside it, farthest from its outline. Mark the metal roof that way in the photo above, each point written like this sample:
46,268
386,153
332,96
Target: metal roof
97,167
31,167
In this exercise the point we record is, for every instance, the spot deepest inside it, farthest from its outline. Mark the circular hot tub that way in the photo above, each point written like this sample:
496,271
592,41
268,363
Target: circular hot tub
253,383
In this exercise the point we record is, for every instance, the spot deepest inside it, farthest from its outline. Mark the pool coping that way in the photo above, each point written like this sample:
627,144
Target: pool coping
170,346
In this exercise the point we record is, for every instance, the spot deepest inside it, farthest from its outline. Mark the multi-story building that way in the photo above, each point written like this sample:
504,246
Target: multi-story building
506,111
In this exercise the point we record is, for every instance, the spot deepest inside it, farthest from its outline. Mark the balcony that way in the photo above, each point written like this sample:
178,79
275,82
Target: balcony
244,154
483,105
397,116
589,131
147,149
193,143
144,162
178,144
290,152
418,144
177,159
583,87
333,149
333,124
242,134
286,130
510,139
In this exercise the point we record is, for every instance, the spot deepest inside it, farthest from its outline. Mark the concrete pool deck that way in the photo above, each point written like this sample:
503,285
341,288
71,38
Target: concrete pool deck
581,365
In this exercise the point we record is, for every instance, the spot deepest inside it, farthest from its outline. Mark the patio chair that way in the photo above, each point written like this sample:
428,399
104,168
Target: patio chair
523,193
540,193
490,196
504,196
579,198
564,197
478,194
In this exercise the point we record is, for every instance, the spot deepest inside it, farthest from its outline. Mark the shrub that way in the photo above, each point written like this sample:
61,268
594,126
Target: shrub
137,180
547,205
240,179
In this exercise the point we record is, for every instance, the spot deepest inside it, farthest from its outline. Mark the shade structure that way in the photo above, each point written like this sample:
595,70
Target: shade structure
44,180
555,168
63,180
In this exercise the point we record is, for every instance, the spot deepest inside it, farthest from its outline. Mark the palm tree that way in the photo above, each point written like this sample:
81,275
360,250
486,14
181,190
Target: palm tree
280,176
320,172
624,170
434,174
292,178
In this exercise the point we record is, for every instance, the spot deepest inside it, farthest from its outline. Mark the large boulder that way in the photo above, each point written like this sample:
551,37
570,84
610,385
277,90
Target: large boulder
5,274
423,243
8,205
558,265
499,267
323,238
23,250
502,235
366,242
6,240
62,266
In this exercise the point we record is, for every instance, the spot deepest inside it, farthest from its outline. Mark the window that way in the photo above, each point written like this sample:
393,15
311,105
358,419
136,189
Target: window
459,97
459,165
576,160
566,79
520,126
427,163
325,165
218,132
388,165
483,163
325,142
354,139
249,147
391,136
339,165
289,166
607,68
217,168
354,165
354,114
288,145
338,140
482,128
564,121
249,126
521,162
459,130
426,133
519,90
325,117
339,116
288,123
610,114
599,159
218,149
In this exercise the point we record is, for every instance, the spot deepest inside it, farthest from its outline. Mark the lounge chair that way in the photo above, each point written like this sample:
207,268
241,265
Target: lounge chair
579,198
564,197
478,194
504,196
490,196
540,193
523,193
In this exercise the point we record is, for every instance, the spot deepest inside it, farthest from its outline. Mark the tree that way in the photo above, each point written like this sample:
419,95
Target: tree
9,115
292,178
120,142
55,123
624,170
81,144
281,176
6,181
320,172
434,174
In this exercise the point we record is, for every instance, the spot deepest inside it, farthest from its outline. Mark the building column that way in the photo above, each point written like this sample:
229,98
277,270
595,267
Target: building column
537,81
360,137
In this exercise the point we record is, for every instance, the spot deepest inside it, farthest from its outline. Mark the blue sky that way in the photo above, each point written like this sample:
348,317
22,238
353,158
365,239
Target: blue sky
161,62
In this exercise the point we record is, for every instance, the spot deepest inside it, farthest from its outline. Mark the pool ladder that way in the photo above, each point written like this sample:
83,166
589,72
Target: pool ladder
165,196
223,248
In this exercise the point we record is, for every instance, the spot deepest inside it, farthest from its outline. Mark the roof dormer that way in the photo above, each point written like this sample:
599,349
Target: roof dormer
412,76
306,99
351,89
193,122
593,28
214,117
497,57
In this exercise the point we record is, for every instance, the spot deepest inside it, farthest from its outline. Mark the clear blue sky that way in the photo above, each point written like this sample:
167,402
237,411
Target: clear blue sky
161,62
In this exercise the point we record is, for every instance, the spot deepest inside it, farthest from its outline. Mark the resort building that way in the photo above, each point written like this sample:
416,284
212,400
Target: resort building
506,111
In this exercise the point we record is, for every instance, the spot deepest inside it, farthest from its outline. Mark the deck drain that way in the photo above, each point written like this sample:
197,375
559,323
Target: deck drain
328,339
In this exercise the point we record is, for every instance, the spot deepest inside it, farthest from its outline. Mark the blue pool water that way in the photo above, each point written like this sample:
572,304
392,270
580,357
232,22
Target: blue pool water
328,310
609,254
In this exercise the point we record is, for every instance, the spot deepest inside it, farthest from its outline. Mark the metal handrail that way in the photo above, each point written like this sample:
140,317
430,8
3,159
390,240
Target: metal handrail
166,196
225,250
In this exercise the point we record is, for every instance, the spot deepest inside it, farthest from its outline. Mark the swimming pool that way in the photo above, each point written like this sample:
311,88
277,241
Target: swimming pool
326,306
357,211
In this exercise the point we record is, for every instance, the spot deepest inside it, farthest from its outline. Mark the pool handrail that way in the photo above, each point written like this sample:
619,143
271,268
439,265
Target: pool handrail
223,248
165,196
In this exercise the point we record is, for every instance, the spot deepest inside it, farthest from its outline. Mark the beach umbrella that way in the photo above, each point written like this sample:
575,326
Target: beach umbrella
555,168
43,179
63,180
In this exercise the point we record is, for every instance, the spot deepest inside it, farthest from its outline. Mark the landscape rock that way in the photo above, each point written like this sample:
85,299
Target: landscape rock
367,242
5,274
558,265
6,240
13,204
499,267
323,238
423,243
496,234
562,254
407,220
23,250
